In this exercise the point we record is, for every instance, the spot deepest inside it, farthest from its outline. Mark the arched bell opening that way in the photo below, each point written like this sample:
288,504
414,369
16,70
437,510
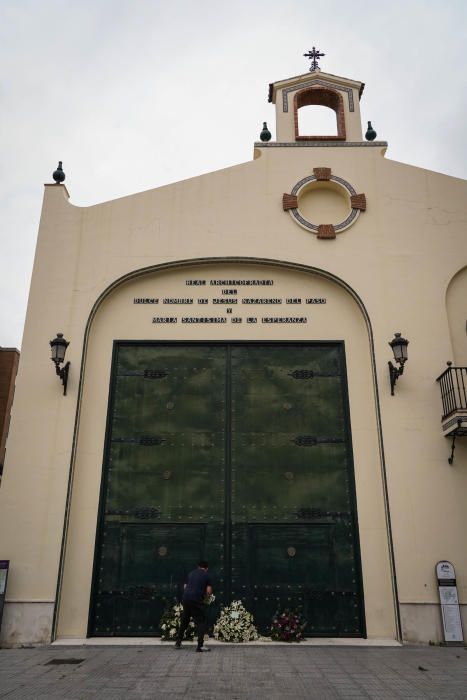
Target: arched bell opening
323,98
317,120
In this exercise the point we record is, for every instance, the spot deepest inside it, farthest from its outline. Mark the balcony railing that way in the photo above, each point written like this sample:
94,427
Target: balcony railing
453,384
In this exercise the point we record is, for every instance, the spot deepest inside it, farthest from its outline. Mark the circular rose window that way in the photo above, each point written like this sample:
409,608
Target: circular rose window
324,204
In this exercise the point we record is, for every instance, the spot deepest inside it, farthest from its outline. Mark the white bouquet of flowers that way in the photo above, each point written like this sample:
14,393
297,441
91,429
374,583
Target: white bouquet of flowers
235,624
209,599
170,624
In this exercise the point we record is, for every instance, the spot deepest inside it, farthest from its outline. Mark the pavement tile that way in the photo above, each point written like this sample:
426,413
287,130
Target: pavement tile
234,673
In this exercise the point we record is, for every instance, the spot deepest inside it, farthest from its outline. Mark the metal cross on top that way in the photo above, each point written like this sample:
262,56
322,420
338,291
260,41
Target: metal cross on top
315,56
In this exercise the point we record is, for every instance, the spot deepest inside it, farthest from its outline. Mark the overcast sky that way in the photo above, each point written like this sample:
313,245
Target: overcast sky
134,94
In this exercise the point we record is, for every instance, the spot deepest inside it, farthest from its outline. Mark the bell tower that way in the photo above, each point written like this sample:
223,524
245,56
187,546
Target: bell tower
317,88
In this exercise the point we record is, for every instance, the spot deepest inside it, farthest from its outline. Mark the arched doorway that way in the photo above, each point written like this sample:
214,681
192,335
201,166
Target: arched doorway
306,480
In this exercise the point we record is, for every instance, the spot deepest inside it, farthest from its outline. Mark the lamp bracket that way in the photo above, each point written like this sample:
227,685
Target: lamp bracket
394,374
62,372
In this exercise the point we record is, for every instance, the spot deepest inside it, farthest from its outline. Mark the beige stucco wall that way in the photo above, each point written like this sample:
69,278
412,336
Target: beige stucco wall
399,258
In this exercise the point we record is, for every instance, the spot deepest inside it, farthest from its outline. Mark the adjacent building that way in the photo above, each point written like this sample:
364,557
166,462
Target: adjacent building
9,358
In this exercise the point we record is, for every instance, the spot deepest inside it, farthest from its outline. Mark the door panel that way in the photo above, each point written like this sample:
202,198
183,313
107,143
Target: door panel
163,496
238,453
292,472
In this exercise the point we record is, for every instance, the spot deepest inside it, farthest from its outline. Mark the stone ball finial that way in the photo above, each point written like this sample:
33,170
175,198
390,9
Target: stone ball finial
59,175
265,134
370,133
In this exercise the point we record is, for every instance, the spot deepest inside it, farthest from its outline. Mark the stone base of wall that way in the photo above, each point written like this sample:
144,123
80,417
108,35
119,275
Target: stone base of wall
24,624
422,623
31,623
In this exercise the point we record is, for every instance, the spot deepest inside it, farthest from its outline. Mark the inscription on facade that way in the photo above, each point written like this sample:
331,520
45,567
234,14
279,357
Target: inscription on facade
230,293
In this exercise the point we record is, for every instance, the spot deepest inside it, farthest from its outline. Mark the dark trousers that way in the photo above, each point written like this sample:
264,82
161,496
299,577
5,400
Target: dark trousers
197,612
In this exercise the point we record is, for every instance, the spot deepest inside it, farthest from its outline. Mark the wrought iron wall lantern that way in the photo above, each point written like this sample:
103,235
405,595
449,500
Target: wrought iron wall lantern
59,346
399,348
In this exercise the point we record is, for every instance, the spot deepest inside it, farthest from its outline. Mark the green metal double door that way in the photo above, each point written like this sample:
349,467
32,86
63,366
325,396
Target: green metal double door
239,454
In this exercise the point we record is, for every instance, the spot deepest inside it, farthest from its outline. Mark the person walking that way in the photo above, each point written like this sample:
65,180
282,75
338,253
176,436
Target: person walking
198,585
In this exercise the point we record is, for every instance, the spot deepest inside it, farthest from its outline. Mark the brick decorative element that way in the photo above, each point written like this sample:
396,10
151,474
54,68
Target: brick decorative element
326,231
322,173
289,201
314,83
358,201
324,97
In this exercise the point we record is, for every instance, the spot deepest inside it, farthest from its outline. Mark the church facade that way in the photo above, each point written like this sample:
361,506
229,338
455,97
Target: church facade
228,394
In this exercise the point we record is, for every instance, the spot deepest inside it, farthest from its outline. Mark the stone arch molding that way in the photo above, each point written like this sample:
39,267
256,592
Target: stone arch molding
456,294
63,583
193,263
198,262
314,83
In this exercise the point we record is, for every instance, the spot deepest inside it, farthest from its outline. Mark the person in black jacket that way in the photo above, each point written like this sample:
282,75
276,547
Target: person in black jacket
196,588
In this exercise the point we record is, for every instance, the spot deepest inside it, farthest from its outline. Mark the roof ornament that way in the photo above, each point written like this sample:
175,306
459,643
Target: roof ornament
370,133
58,175
265,134
314,55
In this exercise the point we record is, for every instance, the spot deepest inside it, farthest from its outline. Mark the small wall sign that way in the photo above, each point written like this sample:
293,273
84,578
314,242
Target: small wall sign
447,586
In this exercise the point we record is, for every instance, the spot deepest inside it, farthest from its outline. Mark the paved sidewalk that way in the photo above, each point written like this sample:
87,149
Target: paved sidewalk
233,673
